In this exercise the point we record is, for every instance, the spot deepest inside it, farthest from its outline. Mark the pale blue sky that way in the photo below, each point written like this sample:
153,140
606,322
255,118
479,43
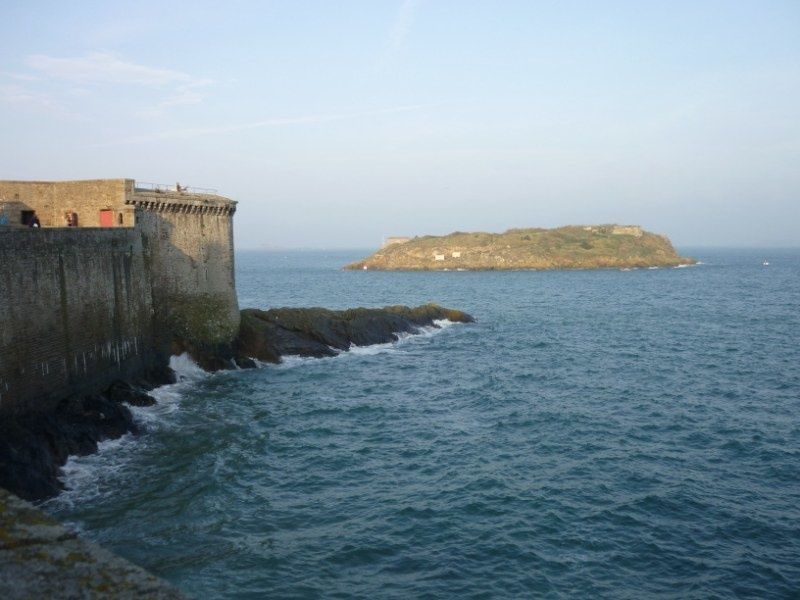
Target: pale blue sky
336,123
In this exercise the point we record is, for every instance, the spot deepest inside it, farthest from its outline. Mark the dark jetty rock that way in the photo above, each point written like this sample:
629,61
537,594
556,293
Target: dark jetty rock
122,391
34,446
319,332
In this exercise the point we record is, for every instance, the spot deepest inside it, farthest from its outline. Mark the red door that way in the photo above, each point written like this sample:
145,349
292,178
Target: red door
106,218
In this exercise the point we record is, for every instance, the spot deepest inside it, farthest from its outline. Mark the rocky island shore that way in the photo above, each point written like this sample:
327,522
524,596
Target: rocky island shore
34,446
571,247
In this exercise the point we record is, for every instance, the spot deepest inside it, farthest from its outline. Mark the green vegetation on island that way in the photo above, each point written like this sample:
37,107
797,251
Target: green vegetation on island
571,247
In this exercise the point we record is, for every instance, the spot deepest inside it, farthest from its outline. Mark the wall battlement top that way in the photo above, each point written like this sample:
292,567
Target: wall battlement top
62,181
113,200
184,202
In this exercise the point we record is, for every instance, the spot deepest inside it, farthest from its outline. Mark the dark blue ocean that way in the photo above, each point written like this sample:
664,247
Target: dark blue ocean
596,434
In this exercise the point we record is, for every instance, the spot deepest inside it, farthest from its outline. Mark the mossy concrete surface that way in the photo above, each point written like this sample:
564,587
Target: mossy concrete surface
40,558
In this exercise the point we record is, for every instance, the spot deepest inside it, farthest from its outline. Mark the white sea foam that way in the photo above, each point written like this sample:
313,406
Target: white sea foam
443,323
373,349
186,369
402,337
88,476
168,397
290,361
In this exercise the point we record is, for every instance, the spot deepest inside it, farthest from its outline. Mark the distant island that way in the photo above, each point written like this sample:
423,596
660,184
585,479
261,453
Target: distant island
570,247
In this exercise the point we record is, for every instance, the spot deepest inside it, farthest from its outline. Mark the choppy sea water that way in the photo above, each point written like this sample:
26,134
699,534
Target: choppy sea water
595,434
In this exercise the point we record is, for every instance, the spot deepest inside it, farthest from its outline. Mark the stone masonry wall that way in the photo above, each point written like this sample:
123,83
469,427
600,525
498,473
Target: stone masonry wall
634,230
76,313
51,199
189,245
81,307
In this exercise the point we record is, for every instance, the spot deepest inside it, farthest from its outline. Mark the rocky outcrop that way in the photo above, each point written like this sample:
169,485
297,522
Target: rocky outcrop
572,247
39,558
34,446
269,335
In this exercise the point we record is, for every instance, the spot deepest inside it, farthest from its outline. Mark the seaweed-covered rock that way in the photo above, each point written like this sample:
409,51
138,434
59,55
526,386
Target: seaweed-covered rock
268,335
122,391
34,446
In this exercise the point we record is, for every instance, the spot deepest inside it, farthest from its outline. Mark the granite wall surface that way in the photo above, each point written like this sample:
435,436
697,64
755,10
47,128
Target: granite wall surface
83,306
189,244
75,313
51,199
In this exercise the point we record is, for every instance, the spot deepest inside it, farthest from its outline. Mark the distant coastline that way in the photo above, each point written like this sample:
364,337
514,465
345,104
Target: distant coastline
571,247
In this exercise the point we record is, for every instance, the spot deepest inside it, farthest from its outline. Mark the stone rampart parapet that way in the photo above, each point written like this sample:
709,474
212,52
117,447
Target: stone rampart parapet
82,306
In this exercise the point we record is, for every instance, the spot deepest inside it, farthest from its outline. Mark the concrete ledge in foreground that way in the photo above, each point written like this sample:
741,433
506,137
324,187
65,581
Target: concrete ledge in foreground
40,558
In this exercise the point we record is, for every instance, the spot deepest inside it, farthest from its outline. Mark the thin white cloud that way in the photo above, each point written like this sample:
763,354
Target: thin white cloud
273,122
26,98
401,26
52,82
184,97
19,76
16,94
106,68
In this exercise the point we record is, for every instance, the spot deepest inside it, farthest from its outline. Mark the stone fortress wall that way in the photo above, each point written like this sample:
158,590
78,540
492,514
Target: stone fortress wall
76,313
83,306
634,230
51,199
190,248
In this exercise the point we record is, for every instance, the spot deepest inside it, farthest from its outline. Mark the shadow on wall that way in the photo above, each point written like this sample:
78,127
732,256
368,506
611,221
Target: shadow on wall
15,213
76,311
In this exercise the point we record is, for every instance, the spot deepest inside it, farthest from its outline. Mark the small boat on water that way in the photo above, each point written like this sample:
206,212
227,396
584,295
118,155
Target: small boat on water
765,263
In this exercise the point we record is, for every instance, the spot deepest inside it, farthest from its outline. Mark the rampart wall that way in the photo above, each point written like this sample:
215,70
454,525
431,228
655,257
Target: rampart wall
189,244
76,313
83,306
51,199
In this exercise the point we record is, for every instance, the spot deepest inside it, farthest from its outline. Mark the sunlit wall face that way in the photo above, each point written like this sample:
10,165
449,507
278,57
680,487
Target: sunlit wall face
338,125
